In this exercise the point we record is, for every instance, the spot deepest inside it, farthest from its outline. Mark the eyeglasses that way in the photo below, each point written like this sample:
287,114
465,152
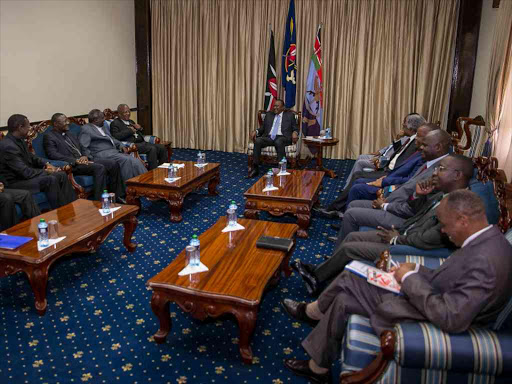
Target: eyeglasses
441,168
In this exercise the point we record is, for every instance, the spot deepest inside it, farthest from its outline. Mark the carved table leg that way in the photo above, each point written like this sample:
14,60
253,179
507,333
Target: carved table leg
212,185
160,307
175,202
246,323
250,211
38,279
303,220
129,228
132,198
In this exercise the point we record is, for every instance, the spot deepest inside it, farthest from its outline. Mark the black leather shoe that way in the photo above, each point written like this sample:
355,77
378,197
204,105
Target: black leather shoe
301,368
297,311
326,257
308,278
333,238
329,214
255,172
336,227
308,267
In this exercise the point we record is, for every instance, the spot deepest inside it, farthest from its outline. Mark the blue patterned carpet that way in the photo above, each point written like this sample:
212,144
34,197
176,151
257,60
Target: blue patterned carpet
98,326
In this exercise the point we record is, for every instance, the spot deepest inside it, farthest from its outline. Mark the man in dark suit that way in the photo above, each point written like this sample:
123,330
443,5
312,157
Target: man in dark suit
60,144
279,129
422,230
125,129
8,200
470,288
24,170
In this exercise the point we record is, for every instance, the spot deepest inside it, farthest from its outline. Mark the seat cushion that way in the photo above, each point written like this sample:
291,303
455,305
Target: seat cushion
504,320
360,345
423,345
290,150
41,201
150,139
486,193
408,250
429,262
84,181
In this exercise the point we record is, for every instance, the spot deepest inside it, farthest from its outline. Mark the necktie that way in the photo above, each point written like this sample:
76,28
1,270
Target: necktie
422,169
275,127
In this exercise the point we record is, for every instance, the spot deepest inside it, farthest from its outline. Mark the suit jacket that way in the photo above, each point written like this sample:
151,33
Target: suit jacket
94,142
17,162
403,172
57,148
471,287
121,132
288,124
402,158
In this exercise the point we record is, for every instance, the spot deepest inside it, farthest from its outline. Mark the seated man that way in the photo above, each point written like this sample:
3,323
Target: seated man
8,200
23,170
124,129
403,164
60,144
376,160
471,288
97,143
422,230
279,129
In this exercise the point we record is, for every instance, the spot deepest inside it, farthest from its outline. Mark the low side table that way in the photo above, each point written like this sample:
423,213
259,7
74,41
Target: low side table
320,144
237,277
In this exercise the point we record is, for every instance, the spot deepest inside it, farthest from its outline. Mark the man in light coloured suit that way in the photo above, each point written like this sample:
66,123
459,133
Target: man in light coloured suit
470,288
98,143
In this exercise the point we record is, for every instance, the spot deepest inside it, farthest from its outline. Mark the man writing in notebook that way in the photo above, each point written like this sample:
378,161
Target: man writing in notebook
470,288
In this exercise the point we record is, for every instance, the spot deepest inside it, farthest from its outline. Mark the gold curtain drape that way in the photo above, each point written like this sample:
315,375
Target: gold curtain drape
381,60
499,89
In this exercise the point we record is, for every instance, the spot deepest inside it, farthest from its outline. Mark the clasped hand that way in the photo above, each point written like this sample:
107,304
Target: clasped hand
378,202
51,169
387,234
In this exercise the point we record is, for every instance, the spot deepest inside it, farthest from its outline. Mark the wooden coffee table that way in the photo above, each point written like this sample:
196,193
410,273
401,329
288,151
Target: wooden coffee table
237,277
85,230
320,144
153,186
297,194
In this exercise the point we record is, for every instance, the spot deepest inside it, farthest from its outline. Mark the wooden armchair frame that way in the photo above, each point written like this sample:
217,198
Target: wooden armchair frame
463,129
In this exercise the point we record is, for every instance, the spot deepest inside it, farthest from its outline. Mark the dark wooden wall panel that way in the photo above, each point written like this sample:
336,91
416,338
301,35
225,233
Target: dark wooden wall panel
466,47
143,63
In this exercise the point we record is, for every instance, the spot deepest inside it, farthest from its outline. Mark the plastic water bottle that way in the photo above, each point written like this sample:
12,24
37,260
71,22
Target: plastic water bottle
105,202
194,261
269,179
282,165
172,172
42,228
200,158
232,214
328,133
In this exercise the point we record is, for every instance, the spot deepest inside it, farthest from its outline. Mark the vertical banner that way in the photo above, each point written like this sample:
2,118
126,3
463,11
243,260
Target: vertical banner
289,71
313,108
271,83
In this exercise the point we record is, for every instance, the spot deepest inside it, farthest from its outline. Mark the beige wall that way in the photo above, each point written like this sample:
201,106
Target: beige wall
65,56
483,58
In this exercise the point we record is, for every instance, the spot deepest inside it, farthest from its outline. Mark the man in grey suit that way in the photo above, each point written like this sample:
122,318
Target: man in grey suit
471,288
422,230
279,129
98,143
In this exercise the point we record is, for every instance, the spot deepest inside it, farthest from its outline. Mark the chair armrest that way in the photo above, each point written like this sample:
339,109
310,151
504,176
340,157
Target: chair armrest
478,350
408,250
132,149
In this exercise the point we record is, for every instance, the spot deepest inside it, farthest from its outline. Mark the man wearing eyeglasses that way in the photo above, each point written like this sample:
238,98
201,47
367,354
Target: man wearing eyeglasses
60,144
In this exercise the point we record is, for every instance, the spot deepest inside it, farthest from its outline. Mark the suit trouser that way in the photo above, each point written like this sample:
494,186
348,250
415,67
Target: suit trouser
156,153
340,202
356,218
363,161
279,143
56,186
347,294
8,200
99,170
357,246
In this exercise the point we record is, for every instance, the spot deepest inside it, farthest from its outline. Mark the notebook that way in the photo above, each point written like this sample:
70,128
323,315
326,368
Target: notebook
13,242
279,243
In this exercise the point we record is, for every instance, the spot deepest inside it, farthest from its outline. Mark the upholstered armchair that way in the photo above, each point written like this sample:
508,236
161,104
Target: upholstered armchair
422,353
268,154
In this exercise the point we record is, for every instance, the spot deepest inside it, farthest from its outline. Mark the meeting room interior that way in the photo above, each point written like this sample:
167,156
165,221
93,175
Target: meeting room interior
256,191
